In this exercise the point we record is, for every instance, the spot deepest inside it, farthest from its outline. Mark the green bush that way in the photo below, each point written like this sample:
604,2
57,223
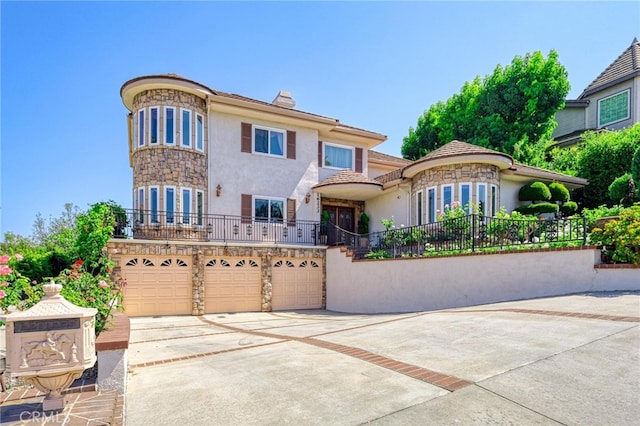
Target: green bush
620,237
534,191
559,192
592,215
635,169
569,208
363,225
623,190
536,209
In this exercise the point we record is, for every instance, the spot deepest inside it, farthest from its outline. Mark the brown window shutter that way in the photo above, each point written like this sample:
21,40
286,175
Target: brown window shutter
320,164
245,145
291,145
359,160
291,212
245,209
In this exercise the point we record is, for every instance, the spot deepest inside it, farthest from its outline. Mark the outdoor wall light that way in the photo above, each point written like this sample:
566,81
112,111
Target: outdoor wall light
218,190
307,198
209,228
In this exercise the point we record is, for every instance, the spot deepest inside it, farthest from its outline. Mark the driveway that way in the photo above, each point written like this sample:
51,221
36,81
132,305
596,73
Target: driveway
563,360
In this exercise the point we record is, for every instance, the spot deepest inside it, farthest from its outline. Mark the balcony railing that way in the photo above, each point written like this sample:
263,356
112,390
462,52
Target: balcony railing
160,225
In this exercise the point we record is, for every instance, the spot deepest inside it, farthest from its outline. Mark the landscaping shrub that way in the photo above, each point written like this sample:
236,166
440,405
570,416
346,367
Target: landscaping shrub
569,208
635,170
623,190
537,209
592,215
620,237
534,191
558,192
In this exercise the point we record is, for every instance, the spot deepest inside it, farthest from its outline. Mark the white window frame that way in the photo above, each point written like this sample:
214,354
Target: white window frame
442,203
154,210
270,199
494,199
432,208
157,111
189,143
199,204
419,207
186,208
485,212
141,137
166,131
169,215
199,133
628,91
470,200
135,131
335,145
140,204
269,130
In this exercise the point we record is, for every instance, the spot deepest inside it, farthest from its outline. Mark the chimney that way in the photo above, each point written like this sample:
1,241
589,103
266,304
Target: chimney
284,100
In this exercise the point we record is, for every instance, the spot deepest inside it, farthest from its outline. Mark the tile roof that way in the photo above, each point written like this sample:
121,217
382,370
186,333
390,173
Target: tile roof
345,177
389,177
387,159
456,147
626,66
522,168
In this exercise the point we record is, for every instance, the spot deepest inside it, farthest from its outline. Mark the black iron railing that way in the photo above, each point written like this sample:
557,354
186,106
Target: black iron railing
160,225
466,234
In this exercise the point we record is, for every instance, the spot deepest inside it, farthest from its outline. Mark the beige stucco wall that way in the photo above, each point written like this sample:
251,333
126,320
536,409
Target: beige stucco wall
408,285
394,202
508,194
245,173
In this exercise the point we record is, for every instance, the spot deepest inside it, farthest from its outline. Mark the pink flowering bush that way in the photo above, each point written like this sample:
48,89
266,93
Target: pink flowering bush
16,291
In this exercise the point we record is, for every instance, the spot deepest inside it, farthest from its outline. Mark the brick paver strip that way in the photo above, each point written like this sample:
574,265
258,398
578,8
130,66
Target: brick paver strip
556,314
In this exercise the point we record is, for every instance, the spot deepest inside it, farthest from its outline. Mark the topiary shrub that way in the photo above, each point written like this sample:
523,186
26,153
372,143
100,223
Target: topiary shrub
537,209
534,191
622,190
569,208
559,192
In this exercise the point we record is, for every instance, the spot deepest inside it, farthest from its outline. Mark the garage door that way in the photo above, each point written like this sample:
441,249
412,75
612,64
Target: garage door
297,284
157,286
232,284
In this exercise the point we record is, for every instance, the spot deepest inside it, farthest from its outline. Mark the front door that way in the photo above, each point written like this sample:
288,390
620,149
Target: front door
343,217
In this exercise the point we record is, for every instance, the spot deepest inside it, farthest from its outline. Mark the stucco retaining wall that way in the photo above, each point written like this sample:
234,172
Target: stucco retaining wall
422,284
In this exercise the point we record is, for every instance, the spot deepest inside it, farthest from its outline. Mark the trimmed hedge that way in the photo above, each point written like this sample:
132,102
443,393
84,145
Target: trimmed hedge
559,192
569,208
536,209
534,191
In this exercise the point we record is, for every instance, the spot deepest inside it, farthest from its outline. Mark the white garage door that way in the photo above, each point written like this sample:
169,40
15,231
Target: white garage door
232,284
157,285
297,284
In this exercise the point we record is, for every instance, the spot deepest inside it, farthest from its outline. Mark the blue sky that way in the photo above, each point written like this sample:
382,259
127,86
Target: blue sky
372,65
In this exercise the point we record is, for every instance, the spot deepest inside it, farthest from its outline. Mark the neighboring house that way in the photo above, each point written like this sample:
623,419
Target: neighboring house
228,193
611,101
196,151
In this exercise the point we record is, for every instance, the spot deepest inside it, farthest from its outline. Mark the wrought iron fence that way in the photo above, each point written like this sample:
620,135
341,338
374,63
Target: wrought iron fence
468,234
160,225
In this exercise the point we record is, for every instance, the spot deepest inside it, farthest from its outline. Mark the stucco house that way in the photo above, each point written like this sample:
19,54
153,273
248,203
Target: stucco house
241,185
611,101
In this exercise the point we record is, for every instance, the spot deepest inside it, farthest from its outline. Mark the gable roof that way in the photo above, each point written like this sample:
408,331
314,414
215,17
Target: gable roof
624,67
379,157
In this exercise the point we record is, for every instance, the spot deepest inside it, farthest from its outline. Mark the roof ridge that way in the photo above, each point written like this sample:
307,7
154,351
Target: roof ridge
610,75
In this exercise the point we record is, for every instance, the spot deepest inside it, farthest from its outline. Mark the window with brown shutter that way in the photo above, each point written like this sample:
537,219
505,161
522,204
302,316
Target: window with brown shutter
291,212
359,160
291,145
246,208
245,145
320,154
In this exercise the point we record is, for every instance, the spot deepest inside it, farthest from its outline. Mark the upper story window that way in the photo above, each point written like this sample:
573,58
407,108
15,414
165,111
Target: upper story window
141,128
153,125
186,127
199,132
268,141
336,156
169,125
613,108
268,209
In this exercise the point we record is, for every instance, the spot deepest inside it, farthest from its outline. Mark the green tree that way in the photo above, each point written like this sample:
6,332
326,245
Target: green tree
514,105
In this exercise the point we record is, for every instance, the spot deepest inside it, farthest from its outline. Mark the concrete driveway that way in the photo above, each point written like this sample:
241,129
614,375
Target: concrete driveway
563,360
